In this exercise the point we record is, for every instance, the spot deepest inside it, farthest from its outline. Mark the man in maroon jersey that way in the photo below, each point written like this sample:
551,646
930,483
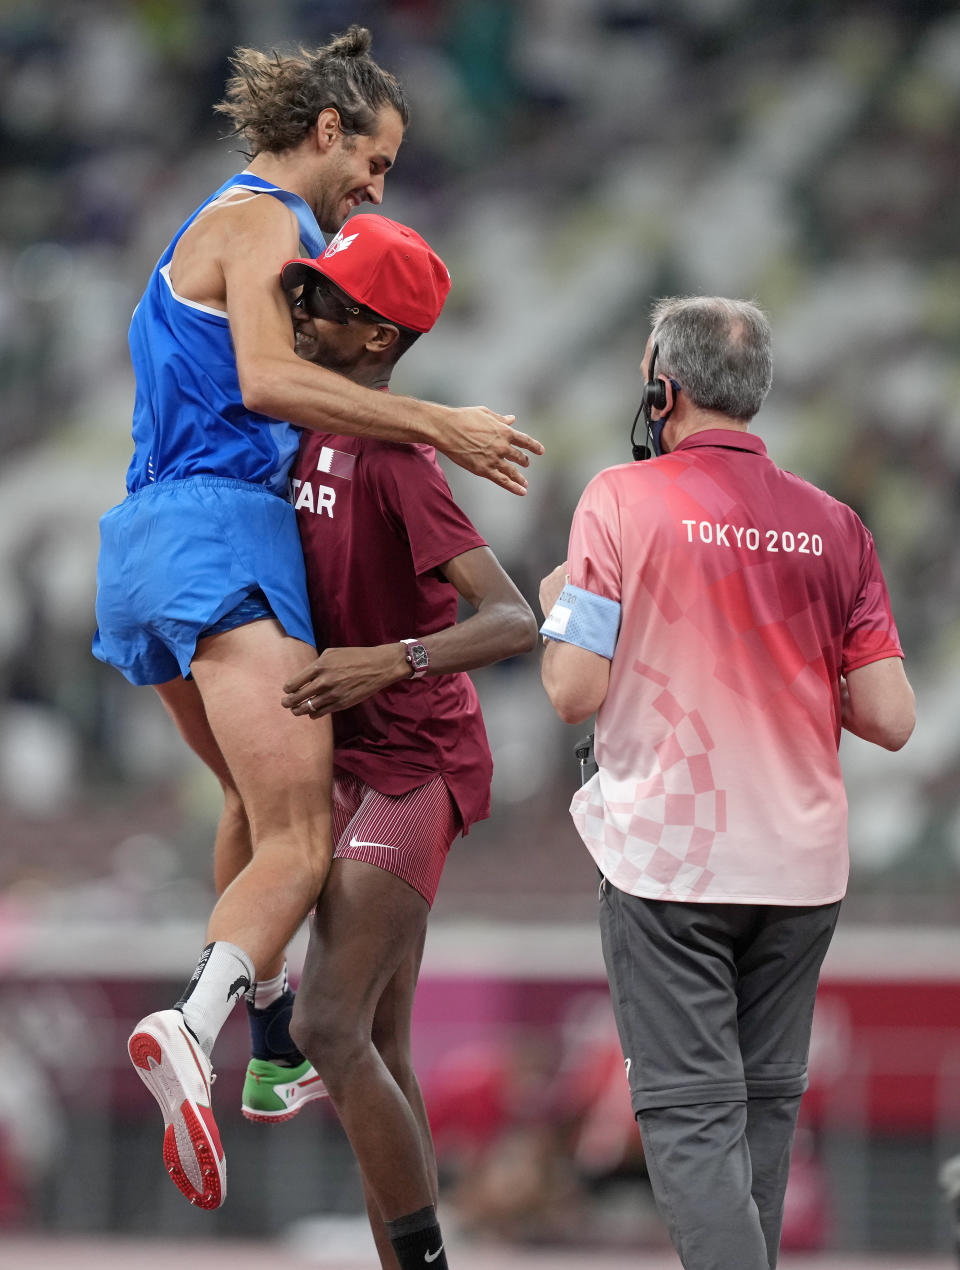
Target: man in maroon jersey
388,554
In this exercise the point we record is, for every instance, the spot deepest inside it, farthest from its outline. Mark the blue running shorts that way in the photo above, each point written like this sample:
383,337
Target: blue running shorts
178,556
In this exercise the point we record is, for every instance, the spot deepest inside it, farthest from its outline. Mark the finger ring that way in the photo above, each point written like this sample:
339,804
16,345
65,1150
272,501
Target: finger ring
309,704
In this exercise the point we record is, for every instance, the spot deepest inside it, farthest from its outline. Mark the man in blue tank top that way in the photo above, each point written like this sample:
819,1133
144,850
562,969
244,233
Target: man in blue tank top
201,587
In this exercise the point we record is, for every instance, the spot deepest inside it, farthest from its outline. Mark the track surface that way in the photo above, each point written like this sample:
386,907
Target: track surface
25,1253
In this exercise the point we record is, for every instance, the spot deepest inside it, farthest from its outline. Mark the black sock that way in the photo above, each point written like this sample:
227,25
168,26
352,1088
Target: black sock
417,1241
270,1032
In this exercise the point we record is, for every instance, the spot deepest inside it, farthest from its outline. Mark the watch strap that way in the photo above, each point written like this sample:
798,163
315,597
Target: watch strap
418,658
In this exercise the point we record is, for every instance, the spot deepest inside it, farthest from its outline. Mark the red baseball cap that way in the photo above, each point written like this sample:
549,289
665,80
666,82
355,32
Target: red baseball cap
384,266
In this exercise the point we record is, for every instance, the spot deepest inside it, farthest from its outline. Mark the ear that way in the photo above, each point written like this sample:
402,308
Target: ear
327,127
384,337
671,395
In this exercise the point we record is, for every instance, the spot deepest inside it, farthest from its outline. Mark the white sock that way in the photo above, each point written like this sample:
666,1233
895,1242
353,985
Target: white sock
223,974
266,991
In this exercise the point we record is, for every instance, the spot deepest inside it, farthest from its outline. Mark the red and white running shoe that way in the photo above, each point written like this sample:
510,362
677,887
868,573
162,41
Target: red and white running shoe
170,1062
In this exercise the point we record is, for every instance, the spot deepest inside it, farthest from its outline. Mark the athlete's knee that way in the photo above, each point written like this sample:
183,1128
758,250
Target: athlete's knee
302,1033
306,1032
327,1034
296,854
311,1011
340,1057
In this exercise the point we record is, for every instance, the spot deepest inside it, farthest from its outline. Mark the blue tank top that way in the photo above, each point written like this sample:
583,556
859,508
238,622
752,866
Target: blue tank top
188,416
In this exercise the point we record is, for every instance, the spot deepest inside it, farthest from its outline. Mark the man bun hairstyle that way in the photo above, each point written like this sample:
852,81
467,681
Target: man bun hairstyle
273,99
718,350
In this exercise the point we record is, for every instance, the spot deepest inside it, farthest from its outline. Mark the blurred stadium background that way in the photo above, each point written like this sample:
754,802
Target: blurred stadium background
570,160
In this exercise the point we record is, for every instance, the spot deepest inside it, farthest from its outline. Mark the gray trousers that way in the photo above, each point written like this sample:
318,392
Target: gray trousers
714,1006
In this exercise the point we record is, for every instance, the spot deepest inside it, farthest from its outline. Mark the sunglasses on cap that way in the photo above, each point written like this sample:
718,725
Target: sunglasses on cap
318,301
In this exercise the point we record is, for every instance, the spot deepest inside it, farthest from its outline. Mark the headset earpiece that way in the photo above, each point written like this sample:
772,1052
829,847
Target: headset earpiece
655,395
654,390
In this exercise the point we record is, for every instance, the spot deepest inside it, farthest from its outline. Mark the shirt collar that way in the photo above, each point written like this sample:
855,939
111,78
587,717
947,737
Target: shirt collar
727,438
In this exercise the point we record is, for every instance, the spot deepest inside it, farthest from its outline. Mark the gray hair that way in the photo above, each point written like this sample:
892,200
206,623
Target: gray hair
718,351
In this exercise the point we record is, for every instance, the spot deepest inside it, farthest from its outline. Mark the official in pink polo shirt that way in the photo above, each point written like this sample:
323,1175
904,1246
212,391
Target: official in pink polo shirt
726,620
388,557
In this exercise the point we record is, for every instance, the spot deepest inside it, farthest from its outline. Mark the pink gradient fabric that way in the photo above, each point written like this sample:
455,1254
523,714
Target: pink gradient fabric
746,593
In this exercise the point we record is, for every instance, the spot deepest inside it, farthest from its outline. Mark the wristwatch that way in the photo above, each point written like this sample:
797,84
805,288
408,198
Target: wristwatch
418,657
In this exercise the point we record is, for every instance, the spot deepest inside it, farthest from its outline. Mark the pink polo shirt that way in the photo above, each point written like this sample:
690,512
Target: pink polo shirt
746,593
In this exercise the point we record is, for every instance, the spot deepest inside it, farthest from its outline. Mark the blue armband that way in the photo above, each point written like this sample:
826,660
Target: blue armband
589,621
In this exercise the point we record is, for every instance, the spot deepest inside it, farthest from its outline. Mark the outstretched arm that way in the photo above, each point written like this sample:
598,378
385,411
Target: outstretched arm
502,626
255,237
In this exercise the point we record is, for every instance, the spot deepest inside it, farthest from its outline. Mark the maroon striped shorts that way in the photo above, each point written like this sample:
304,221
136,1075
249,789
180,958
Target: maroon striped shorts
409,834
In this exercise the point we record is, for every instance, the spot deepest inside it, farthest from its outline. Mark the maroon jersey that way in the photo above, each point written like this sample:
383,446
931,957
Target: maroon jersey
376,522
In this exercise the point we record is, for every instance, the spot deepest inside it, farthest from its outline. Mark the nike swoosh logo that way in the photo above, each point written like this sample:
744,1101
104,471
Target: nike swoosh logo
238,986
384,846
432,1256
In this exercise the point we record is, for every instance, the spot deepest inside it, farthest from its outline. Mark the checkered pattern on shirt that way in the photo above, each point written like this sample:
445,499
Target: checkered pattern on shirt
717,741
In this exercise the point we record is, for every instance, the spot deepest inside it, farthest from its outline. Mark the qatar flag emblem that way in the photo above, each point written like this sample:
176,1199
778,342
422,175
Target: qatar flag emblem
336,462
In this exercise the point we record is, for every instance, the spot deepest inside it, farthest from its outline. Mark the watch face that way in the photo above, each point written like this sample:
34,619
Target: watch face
417,656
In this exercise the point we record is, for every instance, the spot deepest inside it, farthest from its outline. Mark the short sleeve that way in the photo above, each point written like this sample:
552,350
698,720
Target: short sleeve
417,501
594,560
871,633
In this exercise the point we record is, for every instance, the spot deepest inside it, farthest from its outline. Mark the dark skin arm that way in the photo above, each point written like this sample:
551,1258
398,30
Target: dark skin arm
502,626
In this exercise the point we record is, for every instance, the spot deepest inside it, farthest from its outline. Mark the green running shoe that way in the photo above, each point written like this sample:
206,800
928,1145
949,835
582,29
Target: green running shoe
272,1093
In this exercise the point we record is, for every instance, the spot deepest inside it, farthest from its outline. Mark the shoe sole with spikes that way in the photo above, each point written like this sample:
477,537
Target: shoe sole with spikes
170,1062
